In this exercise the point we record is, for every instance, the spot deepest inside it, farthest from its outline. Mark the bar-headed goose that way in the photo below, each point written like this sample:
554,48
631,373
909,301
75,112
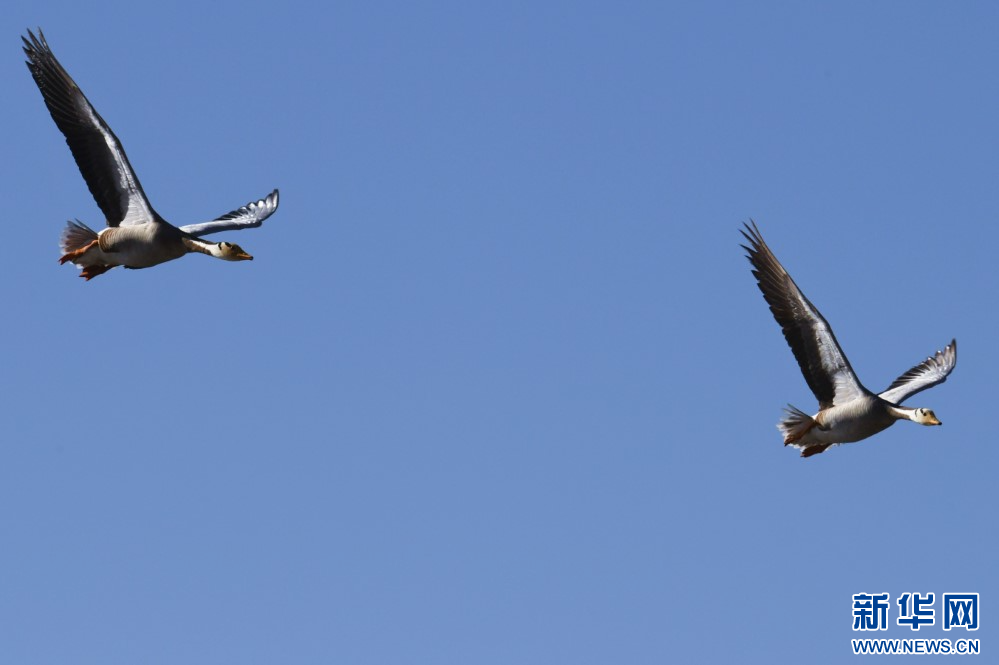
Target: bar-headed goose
848,411
136,236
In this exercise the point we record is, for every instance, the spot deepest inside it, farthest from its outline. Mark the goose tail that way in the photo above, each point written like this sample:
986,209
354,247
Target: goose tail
76,236
794,425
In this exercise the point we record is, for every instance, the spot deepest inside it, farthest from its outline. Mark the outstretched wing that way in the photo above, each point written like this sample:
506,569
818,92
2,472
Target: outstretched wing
822,362
926,374
251,215
96,149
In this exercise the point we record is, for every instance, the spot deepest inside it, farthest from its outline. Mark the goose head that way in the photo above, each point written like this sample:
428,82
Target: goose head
925,417
230,251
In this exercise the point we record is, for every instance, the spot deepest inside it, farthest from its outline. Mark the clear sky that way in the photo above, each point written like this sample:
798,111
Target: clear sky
499,386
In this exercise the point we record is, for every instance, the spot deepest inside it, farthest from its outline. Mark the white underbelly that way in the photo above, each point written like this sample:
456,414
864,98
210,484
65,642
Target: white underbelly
847,426
132,254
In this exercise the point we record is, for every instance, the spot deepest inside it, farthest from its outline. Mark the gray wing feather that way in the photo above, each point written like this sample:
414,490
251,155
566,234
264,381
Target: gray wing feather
926,374
822,361
97,151
251,215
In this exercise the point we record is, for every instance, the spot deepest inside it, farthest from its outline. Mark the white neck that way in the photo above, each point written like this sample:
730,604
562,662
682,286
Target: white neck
199,245
902,413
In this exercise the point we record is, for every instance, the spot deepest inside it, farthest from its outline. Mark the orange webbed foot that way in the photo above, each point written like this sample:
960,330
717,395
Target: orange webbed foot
76,253
814,450
89,272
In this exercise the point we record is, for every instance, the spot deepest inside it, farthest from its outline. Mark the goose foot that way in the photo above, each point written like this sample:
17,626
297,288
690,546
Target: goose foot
89,272
814,450
77,253
798,435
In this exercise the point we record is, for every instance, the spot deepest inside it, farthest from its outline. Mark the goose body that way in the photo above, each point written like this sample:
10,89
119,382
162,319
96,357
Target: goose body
135,236
848,412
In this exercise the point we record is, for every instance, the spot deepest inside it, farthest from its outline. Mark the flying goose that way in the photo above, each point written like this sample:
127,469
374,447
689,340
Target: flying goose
136,236
848,411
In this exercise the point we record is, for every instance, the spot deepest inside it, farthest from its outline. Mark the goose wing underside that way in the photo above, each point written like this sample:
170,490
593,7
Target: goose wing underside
926,374
822,362
96,149
251,215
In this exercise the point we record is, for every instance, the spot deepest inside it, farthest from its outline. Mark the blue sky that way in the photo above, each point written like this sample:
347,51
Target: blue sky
499,386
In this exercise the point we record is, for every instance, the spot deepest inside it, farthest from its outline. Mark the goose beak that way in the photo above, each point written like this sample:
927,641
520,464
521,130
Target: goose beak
934,421
243,256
